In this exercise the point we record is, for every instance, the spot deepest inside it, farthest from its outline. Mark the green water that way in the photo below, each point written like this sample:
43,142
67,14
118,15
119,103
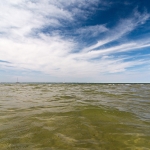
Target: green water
75,116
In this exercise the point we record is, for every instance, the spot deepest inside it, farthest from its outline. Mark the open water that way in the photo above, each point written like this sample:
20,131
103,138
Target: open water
74,116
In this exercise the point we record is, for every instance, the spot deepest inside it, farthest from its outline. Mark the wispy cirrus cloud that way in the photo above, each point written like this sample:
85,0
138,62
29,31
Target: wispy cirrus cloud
124,27
92,30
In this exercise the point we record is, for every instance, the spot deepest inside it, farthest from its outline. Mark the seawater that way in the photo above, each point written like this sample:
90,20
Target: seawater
75,116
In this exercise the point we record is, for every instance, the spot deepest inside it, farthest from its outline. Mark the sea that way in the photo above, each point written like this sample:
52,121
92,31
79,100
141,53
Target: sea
74,116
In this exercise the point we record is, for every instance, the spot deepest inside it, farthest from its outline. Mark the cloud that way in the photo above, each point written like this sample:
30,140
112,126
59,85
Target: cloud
137,45
124,27
2,61
92,30
24,44
22,17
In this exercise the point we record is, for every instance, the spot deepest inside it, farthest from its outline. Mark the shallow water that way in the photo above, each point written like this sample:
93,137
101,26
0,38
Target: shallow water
75,116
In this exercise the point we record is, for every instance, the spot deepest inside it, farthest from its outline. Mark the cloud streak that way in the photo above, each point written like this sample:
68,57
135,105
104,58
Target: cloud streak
124,27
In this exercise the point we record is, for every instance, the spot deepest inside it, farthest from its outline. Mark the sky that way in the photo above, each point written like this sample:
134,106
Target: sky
100,41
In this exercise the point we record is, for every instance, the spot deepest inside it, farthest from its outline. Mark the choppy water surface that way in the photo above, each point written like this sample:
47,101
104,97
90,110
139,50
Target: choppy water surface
75,116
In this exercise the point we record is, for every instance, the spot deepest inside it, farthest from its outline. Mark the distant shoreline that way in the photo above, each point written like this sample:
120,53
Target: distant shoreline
64,83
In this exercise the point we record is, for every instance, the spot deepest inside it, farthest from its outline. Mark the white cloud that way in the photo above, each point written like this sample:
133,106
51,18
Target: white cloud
52,53
124,27
130,46
21,17
92,30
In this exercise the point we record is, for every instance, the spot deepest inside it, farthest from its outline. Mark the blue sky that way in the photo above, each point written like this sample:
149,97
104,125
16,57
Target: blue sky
75,41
